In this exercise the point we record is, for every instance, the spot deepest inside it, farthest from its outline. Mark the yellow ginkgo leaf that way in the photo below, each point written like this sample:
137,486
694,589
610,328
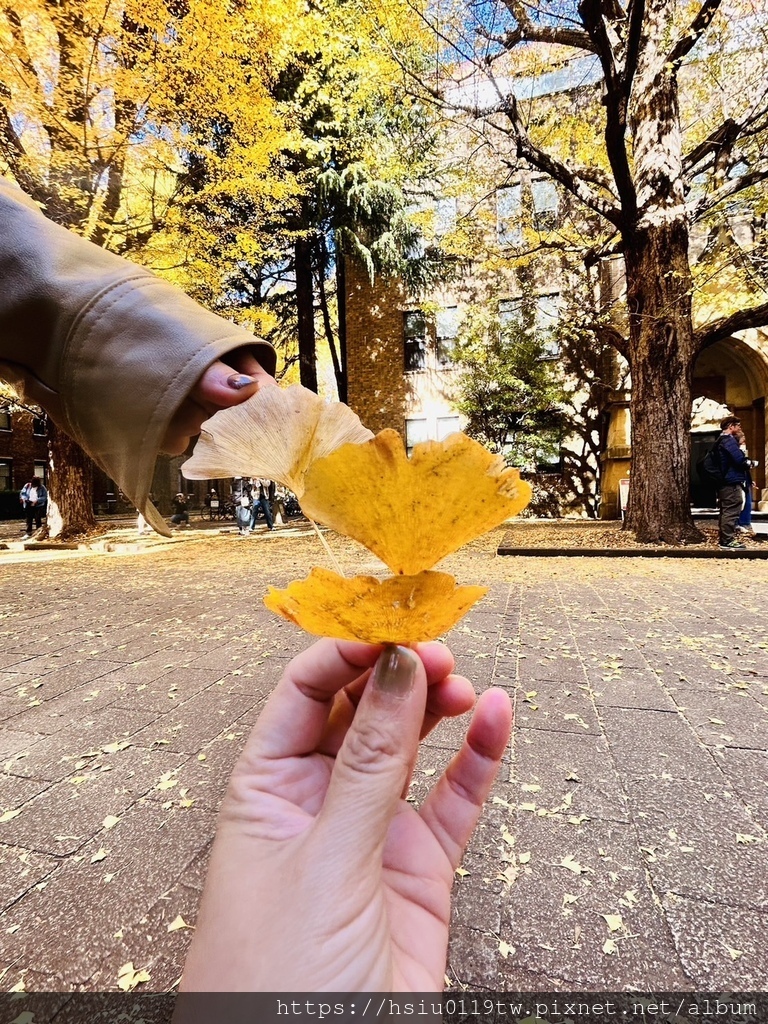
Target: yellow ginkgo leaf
276,435
399,610
413,512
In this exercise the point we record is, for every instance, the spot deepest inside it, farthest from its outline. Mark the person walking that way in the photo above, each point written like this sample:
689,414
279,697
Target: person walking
34,500
243,514
263,495
734,472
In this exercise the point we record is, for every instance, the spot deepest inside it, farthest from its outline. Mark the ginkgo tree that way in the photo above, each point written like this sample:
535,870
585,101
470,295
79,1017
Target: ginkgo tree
123,119
651,117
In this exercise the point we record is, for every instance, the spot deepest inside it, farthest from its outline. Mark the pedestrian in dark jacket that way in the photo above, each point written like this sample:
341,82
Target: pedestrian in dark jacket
734,469
34,500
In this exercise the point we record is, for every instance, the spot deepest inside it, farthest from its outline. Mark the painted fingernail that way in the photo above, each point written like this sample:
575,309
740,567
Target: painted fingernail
240,380
395,671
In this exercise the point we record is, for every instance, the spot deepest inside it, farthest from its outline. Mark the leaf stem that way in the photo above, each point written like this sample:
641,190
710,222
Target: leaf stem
328,551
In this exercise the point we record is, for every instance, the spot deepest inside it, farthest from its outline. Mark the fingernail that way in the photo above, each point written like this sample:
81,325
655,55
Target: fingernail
395,671
240,380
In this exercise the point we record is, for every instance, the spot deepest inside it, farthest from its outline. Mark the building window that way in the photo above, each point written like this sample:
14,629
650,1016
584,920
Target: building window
40,426
445,215
545,204
6,475
41,470
415,432
447,329
510,312
546,318
415,339
508,228
5,420
447,425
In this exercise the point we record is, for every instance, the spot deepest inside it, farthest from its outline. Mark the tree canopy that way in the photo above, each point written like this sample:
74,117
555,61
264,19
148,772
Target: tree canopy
650,119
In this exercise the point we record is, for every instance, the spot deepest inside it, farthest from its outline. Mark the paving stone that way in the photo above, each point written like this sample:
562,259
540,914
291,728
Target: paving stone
20,871
554,666
555,707
746,772
702,931
15,792
52,715
698,837
150,946
650,742
632,688
573,779
554,919
67,929
161,694
66,814
200,719
730,719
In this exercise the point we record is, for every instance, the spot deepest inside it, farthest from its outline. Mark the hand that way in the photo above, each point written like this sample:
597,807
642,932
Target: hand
223,384
322,876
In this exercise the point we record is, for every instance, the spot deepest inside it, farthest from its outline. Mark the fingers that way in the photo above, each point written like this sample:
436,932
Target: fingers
452,808
374,760
295,716
447,696
222,385
229,383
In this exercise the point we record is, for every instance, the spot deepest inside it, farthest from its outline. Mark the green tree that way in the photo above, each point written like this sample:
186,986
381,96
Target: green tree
510,389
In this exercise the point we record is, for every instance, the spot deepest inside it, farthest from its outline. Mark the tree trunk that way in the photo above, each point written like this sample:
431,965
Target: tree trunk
305,307
661,357
71,483
661,348
341,304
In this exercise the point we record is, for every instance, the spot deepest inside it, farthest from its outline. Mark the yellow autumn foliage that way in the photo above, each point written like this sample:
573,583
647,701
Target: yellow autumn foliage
413,512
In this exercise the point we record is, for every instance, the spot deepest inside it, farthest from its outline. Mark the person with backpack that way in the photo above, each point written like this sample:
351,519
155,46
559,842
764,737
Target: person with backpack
734,474
34,501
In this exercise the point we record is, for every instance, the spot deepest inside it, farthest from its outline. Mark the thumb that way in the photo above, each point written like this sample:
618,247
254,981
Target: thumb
375,759
220,386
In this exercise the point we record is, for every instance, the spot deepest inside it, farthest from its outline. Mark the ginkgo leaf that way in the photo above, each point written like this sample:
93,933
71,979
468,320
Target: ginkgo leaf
400,609
275,434
413,512
128,977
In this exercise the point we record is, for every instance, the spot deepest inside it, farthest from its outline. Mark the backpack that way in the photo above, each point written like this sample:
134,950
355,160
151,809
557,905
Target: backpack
709,467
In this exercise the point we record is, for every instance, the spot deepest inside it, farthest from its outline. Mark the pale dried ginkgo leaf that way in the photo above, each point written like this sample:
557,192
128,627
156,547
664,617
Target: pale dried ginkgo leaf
276,434
398,610
413,512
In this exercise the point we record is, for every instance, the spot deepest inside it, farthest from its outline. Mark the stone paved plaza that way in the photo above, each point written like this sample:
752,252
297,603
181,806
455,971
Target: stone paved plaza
625,843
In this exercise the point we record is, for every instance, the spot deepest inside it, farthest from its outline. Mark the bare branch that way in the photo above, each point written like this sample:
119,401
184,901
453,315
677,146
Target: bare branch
698,27
741,320
635,15
723,137
530,31
557,170
615,99
732,187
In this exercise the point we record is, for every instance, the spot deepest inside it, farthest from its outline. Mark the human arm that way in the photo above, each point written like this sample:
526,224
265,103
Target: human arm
317,850
122,361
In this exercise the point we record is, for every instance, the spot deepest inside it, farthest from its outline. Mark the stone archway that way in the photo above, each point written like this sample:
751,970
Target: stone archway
734,373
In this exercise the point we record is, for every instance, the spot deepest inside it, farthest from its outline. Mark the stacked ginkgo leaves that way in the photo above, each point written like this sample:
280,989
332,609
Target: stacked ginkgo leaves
410,512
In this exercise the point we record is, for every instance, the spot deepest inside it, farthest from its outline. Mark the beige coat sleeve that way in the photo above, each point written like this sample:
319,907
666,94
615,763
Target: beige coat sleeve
108,349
